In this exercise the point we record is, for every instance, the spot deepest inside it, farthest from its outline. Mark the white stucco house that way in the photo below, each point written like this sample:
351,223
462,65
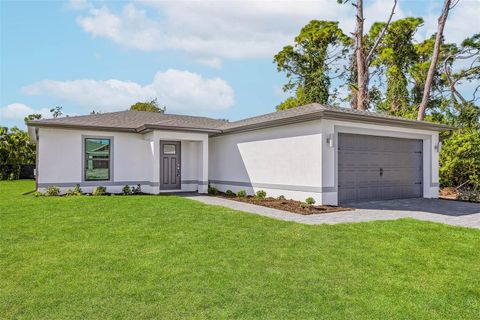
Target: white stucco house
334,155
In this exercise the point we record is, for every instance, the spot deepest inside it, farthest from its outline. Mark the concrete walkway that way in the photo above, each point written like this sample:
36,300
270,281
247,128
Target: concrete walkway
443,211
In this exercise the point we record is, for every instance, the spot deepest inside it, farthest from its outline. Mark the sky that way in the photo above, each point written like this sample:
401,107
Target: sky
208,58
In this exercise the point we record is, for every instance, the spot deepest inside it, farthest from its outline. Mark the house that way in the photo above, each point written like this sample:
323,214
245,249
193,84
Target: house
331,154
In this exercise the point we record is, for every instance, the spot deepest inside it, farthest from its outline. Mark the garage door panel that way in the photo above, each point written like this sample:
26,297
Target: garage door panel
375,168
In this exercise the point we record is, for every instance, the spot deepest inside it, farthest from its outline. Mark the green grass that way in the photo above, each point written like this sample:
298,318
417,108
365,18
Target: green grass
169,257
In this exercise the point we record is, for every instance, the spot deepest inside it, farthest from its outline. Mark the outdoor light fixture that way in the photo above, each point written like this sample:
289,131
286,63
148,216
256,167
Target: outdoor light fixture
330,140
438,146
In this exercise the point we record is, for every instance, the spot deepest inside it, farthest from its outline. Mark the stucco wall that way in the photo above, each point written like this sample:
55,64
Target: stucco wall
281,160
135,159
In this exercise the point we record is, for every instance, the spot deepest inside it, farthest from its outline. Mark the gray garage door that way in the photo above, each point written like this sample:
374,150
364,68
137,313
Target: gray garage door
378,168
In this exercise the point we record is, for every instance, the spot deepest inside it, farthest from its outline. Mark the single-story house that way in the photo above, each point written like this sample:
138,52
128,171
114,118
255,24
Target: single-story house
332,154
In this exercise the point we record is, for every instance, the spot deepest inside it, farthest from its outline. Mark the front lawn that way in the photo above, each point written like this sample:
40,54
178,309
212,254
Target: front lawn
167,257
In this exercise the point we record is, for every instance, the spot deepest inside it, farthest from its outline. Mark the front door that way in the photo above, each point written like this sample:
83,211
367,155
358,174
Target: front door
170,165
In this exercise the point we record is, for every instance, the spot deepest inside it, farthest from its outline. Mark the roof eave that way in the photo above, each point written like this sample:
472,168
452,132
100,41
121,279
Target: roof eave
406,123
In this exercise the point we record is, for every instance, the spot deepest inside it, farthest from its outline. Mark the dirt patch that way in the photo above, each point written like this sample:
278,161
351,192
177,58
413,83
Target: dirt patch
449,193
287,205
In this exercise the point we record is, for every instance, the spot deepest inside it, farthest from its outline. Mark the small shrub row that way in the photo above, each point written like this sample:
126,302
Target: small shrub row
127,190
53,191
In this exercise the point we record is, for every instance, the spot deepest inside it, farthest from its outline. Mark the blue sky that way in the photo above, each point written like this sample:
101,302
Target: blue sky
210,58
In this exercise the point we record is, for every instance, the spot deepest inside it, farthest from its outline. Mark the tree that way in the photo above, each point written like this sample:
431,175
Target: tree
15,151
150,106
396,54
34,116
310,64
56,111
363,55
433,65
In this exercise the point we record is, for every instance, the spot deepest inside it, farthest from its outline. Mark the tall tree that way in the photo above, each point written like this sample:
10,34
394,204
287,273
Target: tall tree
433,65
363,56
150,106
310,65
396,54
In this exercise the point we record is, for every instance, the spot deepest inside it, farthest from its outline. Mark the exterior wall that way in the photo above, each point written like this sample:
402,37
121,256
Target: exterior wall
282,160
331,128
135,160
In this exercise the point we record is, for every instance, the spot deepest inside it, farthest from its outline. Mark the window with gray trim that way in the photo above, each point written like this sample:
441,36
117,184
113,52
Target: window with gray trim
97,159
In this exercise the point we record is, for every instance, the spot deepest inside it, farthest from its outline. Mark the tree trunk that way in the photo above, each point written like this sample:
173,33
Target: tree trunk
433,65
362,71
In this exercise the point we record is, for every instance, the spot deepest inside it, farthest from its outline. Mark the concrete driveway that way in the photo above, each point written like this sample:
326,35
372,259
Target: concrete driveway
456,213
444,211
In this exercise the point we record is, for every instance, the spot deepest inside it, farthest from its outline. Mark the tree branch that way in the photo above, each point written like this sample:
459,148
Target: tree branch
381,35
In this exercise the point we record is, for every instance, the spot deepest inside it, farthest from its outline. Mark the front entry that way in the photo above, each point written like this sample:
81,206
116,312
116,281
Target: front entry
170,165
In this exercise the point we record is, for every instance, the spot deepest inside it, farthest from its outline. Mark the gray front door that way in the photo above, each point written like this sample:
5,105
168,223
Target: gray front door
170,165
378,168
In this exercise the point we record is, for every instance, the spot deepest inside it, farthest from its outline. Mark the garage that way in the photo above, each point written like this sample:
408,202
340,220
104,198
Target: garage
378,168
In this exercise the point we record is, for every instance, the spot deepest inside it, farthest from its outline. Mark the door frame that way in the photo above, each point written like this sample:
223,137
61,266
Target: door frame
179,159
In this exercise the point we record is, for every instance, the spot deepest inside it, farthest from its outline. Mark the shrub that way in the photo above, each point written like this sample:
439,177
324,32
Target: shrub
229,193
126,190
52,191
212,190
261,194
242,194
310,201
77,191
37,194
303,205
99,191
281,197
69,192
137,189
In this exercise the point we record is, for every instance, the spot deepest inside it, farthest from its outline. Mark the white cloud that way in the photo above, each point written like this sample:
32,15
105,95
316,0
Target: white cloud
18,111
461,22
214,30
78,4
180,91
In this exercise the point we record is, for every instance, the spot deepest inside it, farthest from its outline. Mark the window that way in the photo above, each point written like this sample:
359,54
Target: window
97,159
168,149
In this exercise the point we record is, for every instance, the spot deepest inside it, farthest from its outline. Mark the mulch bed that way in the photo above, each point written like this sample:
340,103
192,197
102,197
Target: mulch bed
287,205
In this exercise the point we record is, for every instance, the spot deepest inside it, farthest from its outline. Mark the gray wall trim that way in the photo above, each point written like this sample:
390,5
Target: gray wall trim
203,183
112,155
434,184
275,186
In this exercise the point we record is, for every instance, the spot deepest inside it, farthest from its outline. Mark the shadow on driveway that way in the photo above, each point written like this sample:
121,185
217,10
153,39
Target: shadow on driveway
444,207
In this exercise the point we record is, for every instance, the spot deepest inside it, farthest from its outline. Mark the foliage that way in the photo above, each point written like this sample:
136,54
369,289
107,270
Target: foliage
52,191
126,190
241,193
303,205
212,190
56,111
310,64
15,150
229,193
460,153
310,201
150,106
69,192
99,191
77,191
281,197
260,194
137,189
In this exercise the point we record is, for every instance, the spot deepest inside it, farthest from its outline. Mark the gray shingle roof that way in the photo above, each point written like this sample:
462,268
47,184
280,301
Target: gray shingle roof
139,121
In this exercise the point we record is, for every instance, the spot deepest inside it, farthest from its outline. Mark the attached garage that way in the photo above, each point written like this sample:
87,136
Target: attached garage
379,168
